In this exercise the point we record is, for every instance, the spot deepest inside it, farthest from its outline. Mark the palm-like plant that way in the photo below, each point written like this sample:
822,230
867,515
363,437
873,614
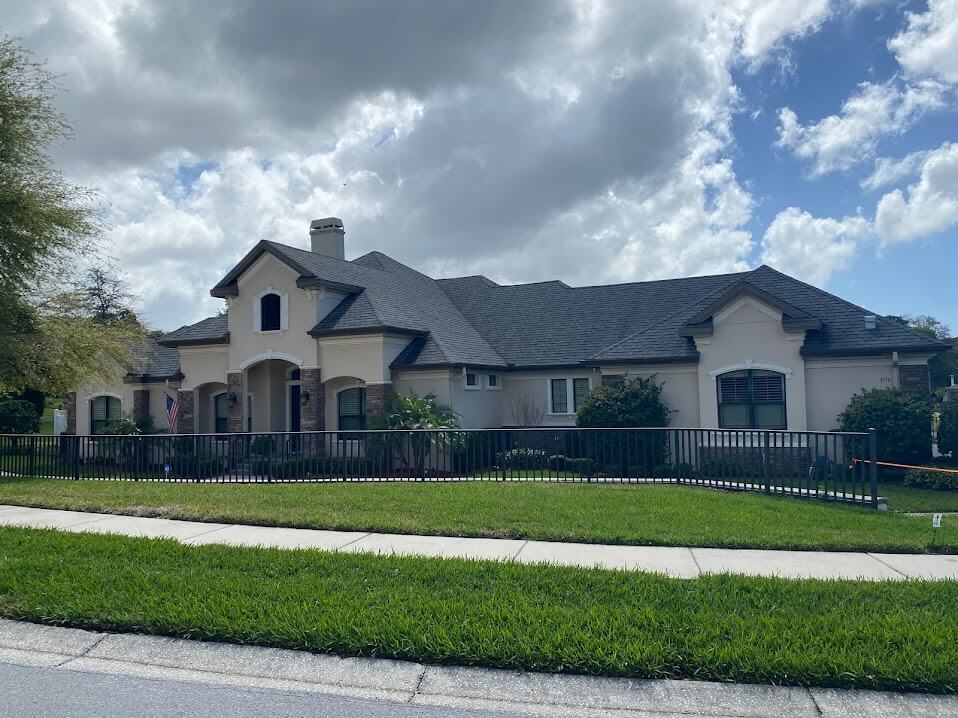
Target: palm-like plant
405,412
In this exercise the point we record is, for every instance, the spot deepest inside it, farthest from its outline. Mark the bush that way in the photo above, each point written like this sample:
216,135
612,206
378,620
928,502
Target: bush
633,403
119,427
948,429
525,459
18,417
901,419
930,479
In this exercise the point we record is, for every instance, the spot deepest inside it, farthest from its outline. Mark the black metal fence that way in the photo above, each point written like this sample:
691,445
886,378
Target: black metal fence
832,465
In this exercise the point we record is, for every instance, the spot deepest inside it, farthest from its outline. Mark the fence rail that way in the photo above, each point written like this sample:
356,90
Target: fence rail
832,465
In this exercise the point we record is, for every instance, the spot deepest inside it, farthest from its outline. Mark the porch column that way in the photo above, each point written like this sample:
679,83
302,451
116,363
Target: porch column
376,395
71,413
141,407
313,412
234,402
185,423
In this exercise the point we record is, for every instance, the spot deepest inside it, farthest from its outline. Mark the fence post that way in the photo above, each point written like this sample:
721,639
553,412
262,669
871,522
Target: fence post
505,453
873,464
33,456
765,471
76,457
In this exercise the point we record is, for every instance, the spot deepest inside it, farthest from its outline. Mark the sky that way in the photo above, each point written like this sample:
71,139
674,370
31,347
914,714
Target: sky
590,141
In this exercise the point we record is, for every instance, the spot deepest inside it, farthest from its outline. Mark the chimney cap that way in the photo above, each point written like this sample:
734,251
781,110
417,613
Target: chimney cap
326,224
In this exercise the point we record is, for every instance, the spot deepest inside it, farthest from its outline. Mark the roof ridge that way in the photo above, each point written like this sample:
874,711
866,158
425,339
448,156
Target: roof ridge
848,303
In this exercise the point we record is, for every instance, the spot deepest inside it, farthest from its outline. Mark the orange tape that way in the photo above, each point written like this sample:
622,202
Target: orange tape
907,466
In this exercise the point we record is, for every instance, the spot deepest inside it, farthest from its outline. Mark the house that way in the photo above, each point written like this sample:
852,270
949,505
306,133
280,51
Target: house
312,341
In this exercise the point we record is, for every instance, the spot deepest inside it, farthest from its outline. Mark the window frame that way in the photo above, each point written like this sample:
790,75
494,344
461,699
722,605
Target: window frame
340,415
571,404
216,418
263,313
95,423
750,403
475,386
489,382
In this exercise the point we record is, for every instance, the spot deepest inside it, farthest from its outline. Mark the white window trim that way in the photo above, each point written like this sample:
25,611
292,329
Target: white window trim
749,364
570,396
283,311
498,386
471,387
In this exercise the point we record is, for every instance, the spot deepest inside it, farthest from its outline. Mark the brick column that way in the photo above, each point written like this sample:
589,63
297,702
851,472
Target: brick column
234,390
376,397
185,423
313,412
141,407
71,413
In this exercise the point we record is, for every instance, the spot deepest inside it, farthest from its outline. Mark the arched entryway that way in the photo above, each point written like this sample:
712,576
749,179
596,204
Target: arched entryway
272,399
212,408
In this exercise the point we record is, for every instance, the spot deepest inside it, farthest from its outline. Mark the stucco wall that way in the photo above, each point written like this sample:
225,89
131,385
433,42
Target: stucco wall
680,388
245,344
125,393
205,411
200,365
749,334
831,383
365,356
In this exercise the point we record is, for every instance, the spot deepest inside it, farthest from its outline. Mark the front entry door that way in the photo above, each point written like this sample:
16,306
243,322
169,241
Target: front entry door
294,405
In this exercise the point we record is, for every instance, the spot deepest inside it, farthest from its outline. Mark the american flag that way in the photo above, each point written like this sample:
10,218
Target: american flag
172,409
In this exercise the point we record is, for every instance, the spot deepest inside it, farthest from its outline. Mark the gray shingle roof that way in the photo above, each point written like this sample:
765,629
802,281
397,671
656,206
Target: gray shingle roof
152,361
474,321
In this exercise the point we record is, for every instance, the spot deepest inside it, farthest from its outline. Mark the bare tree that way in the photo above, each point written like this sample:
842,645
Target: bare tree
526,411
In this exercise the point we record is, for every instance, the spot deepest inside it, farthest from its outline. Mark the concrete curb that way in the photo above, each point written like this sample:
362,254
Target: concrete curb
674,561
533,694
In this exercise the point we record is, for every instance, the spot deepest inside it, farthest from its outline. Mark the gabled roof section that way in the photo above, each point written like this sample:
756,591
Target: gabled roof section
212,330
793,318
153,362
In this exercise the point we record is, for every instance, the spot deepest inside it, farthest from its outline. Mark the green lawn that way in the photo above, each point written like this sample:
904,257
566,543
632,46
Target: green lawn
653,515
908,498
893,635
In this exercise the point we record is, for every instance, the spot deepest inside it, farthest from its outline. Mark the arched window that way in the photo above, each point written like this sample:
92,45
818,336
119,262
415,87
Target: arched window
103,410
269,312
352,409
751,399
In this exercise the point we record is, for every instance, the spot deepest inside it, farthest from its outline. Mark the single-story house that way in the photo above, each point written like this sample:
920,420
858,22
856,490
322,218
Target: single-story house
312,341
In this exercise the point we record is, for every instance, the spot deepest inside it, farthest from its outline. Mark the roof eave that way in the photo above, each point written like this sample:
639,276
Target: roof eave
311,282
225,339
383,329
152,378
874,351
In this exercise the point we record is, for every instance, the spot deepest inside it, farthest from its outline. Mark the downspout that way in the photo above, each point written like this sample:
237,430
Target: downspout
894,370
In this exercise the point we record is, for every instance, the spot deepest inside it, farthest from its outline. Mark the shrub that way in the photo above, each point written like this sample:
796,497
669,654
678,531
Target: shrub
930,479
119,427
901,419
633,403
18,417
261,446
948,429
525,459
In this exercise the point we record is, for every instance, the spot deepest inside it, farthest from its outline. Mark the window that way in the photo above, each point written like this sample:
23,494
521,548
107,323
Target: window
560,396
492,381
613,379
352,409
103,410
472,381
221,423
269,312
751,399
580,387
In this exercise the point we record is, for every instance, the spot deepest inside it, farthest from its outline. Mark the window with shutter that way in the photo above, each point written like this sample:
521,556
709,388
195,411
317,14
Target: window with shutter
352,409
269,312
751,399
103,410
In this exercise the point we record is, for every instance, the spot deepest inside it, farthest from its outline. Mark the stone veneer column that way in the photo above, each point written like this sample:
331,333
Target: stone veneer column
313,412
71,413
376,396
141,406
234,391
185,423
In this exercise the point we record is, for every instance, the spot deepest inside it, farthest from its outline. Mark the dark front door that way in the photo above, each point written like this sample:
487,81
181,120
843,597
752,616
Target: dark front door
294,406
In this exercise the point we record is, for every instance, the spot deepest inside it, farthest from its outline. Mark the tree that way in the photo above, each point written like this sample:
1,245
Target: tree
948,429
48,341
105,298
18,417
413,411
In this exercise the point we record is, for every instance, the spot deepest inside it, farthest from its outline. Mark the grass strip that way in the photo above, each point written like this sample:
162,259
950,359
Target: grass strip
638,515
892,635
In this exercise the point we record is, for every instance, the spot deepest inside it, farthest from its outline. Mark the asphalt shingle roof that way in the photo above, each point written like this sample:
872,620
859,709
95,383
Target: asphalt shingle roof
474,321
153,361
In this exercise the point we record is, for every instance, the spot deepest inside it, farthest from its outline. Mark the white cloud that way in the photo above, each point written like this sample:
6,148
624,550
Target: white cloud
812,248
889,170
928,207
766,24
929,45
838,142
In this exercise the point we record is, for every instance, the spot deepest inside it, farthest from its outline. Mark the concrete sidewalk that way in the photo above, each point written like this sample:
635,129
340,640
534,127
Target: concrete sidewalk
414,684
676,561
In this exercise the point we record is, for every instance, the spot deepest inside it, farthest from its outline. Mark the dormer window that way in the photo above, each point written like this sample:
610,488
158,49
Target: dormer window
269,312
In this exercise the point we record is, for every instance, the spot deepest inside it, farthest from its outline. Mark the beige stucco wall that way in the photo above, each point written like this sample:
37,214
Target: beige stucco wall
680,388
203,406
363,356
749,334
125,393
203,364
293,343
831,383
430,381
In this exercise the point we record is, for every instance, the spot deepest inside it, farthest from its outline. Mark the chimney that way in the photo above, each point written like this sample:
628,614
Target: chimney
326,237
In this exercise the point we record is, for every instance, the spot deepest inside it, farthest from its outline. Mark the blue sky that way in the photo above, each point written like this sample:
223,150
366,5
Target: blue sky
592,141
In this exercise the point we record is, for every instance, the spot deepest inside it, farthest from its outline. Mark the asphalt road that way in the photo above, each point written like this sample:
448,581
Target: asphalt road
27,691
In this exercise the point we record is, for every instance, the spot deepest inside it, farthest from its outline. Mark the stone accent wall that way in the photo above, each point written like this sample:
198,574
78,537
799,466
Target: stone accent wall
71,413
141,406
376,395
185,420
234,388
312,412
